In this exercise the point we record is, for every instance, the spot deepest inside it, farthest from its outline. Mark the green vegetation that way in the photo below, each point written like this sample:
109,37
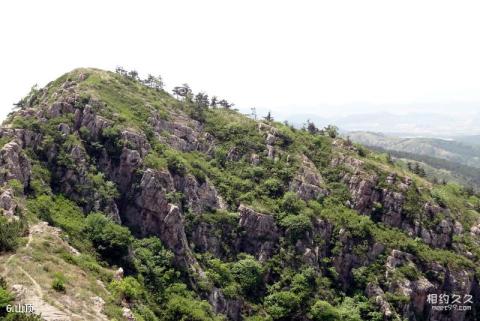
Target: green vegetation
5,296
295,271
58,283
247,272
10,232
111,240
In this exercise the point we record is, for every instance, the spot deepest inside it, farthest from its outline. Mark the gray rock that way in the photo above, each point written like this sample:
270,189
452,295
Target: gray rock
7,203
261,234
308,182
14,163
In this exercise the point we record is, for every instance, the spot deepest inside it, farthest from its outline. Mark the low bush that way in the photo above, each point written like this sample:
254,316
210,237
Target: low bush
10,232
58,282
111,240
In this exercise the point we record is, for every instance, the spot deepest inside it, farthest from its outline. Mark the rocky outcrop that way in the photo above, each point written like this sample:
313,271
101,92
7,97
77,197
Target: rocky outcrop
271,138
135,141
130,160
347,257
386,204
14,164
375,292
181,133
260,233
310,251
58,109
308,182
231,308
204,239
25,137
84,147
8,205
446,281
150,213
199,196
88,118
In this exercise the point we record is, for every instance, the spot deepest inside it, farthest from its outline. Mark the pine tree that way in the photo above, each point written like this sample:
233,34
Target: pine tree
312,129
269,117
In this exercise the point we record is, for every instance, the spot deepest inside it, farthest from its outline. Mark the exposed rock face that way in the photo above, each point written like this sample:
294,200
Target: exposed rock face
271,138
128,314
448,281
261,234
232,308
150,213
374,291
364,191
254,159
25,137
182,133
348,259
204,240
199,196
136,142
308,183
7,203
311,252
58,109
14,164
387,204
88,119
75,175
234,154
392,203
130,159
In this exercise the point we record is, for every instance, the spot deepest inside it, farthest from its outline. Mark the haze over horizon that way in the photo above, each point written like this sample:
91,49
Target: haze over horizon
409,58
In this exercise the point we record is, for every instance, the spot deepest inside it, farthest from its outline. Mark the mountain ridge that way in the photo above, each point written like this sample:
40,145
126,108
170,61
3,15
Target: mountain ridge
212,215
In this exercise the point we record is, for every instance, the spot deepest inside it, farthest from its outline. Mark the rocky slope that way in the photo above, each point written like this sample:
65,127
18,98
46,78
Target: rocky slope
213,215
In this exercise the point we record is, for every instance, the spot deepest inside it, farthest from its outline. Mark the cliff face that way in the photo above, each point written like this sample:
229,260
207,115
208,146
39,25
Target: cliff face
322,222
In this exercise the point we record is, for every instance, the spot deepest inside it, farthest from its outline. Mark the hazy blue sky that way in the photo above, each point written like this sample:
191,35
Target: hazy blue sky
293,57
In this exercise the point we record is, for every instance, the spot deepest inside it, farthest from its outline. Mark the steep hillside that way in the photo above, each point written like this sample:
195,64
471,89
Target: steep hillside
178,209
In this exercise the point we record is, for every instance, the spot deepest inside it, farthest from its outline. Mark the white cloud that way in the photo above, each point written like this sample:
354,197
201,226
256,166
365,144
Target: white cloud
278,55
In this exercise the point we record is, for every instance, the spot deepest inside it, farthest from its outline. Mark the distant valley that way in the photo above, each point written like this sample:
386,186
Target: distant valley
454,159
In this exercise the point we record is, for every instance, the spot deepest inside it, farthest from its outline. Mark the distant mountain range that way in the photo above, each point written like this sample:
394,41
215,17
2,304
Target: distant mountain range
402,125
460,150
455,159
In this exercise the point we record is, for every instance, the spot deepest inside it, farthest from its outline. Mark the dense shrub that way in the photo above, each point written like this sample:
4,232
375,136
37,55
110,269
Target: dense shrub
10,232
176,164
127,288
152,160
5,298
111,240
324,311
282,305
61,212
155,264
272,187
296,225
58,282
182,305
292,204
248,273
